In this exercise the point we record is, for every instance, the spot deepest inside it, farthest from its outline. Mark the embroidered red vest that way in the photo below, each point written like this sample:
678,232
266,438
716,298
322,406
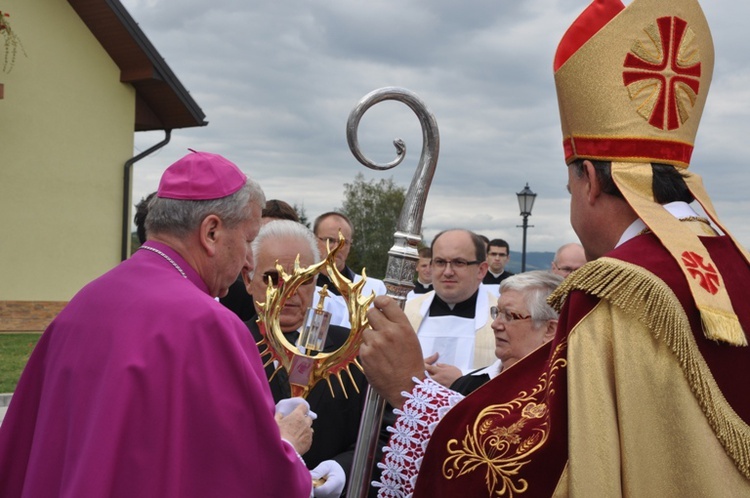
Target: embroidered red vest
509,438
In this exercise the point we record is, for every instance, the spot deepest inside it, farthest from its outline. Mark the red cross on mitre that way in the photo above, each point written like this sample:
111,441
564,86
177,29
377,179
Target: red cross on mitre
662,73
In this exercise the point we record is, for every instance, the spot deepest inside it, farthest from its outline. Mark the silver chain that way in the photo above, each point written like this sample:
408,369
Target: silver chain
157,251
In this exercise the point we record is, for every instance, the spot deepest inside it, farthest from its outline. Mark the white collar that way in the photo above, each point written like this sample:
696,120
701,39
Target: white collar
481,315
491,370
677,209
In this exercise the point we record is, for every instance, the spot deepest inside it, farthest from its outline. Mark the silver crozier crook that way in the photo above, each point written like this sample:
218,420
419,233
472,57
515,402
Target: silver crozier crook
402,257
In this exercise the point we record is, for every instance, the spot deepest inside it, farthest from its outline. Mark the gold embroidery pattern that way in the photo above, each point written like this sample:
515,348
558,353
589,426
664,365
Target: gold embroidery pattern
501,450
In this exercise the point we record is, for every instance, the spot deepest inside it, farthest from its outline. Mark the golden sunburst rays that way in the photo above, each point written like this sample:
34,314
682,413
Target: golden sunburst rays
306,371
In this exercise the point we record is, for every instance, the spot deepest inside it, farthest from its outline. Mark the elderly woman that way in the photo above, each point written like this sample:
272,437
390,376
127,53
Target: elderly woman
522,321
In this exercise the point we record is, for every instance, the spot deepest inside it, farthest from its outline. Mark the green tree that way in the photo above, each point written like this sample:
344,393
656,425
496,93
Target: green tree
373,208
302,213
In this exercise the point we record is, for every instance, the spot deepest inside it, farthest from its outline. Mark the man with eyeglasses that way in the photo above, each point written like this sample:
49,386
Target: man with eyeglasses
326,228
453,321
339,415
568,258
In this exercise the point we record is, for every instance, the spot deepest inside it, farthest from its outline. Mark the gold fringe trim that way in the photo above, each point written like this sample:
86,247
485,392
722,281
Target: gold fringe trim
719,326
645,296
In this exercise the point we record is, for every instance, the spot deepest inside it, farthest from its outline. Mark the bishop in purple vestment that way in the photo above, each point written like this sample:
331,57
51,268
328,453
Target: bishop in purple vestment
145,385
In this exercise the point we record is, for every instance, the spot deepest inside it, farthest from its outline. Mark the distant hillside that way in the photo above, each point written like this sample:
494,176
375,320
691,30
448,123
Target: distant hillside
534,261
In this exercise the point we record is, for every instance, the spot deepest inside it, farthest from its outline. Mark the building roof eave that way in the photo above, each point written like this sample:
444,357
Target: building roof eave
162,102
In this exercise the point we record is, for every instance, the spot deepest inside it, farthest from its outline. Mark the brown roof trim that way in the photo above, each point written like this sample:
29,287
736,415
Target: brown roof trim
162,103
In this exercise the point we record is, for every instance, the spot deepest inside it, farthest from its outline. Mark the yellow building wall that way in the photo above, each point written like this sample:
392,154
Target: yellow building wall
66,129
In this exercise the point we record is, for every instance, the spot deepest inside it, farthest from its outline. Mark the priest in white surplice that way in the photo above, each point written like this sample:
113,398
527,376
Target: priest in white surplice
453,321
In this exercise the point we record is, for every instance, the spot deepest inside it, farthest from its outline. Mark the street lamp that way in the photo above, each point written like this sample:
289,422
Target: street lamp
525,202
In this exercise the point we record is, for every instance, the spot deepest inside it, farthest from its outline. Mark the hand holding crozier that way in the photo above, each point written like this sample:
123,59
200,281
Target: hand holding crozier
390,351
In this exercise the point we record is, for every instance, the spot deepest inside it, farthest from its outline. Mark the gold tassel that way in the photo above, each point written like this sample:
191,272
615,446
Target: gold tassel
718,326
687,250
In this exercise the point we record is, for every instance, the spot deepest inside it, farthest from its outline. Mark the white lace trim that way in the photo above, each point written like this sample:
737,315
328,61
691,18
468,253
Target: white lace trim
425,406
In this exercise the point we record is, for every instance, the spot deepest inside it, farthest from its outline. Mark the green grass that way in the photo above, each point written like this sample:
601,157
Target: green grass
14,353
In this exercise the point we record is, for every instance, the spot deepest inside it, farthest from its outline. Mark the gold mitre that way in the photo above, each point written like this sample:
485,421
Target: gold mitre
632,82
631,86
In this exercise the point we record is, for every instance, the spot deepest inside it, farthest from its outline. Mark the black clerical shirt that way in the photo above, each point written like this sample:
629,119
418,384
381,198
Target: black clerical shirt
464,309
491,279
420,288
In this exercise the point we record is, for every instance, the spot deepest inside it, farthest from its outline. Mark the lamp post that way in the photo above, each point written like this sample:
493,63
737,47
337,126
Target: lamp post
525,203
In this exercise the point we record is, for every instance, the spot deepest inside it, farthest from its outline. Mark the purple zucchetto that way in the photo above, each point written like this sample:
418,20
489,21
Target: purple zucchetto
200,176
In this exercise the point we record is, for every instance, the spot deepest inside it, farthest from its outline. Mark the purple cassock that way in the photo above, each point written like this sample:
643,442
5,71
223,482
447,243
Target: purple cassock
145,386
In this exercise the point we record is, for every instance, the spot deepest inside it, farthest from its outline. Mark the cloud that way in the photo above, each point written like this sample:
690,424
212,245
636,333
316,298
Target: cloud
277,81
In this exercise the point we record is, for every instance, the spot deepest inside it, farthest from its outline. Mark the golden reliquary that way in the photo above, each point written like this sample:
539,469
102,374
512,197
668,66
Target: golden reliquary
304,362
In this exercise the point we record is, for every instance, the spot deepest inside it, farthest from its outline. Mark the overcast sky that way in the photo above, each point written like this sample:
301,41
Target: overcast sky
278,79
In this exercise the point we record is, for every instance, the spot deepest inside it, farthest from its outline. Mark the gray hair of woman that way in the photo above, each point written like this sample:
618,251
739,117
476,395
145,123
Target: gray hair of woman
181,217
536,286
285,229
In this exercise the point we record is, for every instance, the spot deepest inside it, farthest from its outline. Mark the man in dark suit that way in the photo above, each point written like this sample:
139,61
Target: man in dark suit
423,282
498,255
339,415
327,228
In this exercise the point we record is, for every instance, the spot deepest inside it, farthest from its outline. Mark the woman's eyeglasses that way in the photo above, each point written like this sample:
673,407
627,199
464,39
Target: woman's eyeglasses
506,316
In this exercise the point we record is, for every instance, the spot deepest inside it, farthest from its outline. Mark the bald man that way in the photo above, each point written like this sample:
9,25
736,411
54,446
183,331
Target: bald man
568,258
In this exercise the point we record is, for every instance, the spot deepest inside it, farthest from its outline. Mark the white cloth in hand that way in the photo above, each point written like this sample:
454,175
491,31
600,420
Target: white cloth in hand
287,406
334,476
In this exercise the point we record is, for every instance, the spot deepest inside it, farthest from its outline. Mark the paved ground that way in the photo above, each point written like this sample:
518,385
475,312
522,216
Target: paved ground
4,400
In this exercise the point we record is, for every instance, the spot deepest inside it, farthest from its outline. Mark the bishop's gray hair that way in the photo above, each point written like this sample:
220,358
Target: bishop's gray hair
181,217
